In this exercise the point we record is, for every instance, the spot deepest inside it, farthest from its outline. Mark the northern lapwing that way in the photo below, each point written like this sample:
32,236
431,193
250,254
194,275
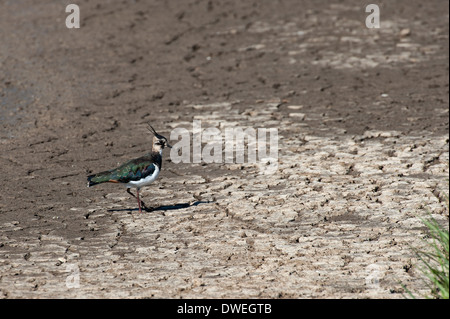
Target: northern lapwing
137,172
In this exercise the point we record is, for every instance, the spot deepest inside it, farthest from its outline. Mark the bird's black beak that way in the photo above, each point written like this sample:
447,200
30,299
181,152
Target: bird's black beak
169,146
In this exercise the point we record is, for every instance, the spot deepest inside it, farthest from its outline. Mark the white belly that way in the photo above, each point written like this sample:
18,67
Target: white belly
145,181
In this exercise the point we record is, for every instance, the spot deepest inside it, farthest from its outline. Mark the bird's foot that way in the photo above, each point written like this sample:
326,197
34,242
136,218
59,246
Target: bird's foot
143,206
146,208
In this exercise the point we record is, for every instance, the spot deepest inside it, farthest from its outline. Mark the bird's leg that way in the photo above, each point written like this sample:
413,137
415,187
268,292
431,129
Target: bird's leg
139,201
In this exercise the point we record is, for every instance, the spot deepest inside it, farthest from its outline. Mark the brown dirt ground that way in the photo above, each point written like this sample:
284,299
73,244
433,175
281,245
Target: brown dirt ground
366,156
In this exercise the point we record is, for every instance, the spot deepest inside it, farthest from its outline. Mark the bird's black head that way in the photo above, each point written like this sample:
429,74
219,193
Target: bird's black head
159,141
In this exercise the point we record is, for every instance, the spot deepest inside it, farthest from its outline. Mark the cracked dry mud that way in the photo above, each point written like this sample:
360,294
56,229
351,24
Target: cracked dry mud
362,118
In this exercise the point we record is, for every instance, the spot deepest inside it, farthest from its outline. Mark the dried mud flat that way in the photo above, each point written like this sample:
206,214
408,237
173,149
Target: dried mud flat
362,116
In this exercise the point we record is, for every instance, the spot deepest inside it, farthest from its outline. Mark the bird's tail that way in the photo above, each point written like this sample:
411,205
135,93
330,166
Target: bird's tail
99,178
